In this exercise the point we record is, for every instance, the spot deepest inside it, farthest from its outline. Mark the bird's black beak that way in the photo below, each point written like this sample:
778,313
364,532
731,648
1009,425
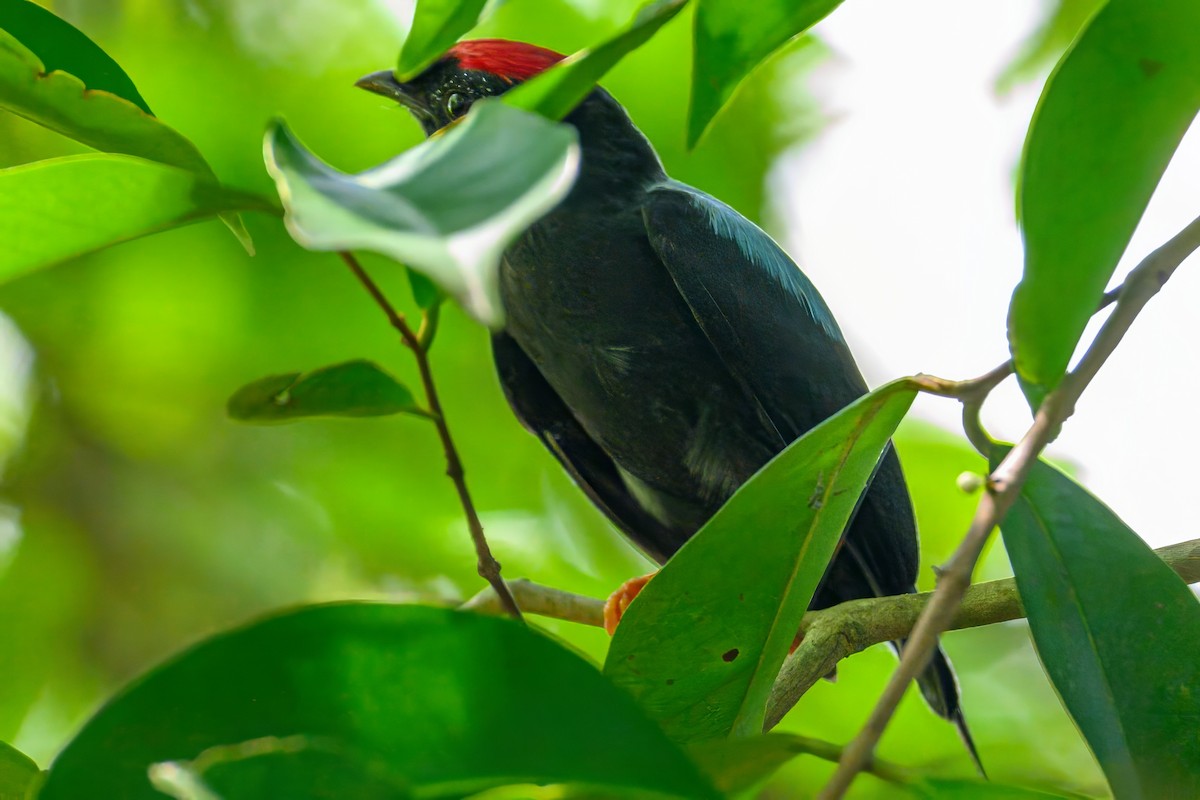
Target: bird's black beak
384,82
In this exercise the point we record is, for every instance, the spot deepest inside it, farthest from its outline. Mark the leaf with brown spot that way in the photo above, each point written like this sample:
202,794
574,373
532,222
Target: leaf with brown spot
720,616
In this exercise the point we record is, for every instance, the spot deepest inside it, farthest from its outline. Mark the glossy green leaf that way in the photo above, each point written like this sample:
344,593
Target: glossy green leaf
451,702
62,102
735,765
62,46
555,92
18,774
352,389
49,210
1062,22
447,208
436,25
703,642
1107,123
1118,632
731,42
424,291
294,767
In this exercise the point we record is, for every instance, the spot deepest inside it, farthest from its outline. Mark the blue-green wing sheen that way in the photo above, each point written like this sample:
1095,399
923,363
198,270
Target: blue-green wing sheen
763,316
776,336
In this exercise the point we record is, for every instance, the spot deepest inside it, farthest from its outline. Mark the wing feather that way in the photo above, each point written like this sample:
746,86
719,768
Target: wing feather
776,335
545,415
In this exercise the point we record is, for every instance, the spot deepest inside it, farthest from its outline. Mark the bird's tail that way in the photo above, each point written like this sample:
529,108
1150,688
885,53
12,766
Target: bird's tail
939,686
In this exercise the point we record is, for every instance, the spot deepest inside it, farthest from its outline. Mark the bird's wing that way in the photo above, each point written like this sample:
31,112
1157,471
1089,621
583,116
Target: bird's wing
777,337
545,415
764,318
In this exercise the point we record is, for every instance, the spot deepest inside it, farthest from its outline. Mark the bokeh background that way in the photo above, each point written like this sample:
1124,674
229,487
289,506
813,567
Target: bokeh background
137,519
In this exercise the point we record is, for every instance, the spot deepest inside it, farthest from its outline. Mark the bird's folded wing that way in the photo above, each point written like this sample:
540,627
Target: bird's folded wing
544,414
765,319
777,337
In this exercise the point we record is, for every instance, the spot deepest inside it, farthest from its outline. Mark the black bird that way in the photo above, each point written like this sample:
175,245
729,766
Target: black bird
663,347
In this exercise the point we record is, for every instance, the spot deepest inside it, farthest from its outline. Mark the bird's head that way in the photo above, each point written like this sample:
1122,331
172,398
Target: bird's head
469,71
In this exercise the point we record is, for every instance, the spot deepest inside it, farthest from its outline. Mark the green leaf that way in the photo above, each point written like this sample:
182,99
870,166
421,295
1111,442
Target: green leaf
730,43
18,774
1117,630
424,291
62,46
60,208
429,298
451,702
447,208
735,765
295,767
703,642
1107,123
1062,22
436,25
352,389
555,92
61,102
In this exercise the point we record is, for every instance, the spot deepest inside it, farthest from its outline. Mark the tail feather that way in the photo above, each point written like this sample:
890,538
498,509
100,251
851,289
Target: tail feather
858,570
939,686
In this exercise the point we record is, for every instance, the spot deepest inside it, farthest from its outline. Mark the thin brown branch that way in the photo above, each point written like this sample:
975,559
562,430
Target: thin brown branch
1004,485
839,632
716,752
971,389
487,565
1110,297
830,634
828,751
394,317
533,598
972,394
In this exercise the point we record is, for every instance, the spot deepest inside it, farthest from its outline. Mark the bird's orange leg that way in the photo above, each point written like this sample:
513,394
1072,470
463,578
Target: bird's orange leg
618,601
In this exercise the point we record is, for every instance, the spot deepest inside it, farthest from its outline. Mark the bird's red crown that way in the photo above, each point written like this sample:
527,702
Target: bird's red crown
508,59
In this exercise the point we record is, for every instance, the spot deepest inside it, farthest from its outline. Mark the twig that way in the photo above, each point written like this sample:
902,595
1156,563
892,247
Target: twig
1004,484
972,393
394,317
1110,297
711,755
828,751
843,630
533,598
839,632
488,566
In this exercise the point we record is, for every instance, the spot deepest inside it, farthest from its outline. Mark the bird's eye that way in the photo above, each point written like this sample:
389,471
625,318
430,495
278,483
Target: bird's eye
457,105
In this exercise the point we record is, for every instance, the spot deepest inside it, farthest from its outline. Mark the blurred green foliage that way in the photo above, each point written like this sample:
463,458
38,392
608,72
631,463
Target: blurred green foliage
139,519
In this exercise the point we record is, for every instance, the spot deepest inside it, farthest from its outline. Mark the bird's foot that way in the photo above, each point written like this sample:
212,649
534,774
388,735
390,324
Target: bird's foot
618,601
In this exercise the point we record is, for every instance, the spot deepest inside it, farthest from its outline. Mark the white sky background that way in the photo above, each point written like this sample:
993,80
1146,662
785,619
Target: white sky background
901,211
